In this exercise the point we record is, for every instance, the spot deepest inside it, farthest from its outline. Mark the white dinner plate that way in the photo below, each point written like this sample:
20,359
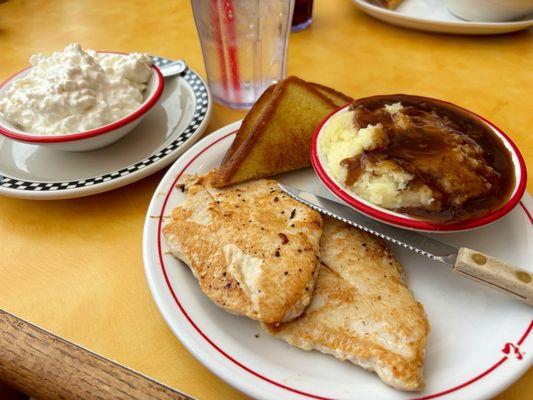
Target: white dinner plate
432,16
33,172
480,339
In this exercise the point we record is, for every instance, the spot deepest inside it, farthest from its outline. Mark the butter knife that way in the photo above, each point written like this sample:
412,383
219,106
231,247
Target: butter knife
470,263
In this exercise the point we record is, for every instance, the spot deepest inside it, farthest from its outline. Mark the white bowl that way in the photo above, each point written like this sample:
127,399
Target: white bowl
94,138
490,10
411,222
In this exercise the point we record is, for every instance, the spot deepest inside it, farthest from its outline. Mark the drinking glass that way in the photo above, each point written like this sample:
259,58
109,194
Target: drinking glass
244,44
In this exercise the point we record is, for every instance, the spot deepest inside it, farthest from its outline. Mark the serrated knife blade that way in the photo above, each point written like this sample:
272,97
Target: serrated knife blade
469,263
498,274
413,241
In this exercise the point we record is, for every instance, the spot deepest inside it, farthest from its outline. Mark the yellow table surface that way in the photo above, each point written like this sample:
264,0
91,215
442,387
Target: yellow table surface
74,267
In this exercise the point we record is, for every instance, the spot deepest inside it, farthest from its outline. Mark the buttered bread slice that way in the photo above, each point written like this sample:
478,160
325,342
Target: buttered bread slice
254,250
338,98
276,134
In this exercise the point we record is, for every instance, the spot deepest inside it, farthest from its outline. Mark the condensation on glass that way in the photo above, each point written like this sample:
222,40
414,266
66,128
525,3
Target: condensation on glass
244,44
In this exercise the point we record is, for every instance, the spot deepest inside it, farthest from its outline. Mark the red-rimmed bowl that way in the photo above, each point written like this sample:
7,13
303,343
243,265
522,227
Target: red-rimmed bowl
91,139
403,220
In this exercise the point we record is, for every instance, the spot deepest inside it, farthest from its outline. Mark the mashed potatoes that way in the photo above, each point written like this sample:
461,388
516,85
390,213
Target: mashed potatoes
384,182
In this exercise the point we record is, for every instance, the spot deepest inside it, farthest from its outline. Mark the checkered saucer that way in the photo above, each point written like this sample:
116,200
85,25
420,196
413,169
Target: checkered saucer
29,171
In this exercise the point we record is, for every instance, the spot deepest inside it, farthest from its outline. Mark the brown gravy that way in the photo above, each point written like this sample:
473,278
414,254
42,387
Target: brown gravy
451,151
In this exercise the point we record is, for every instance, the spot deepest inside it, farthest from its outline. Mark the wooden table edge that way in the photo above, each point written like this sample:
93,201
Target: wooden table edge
36,362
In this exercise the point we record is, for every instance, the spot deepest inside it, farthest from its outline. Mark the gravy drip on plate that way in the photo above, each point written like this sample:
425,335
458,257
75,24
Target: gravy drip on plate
466,166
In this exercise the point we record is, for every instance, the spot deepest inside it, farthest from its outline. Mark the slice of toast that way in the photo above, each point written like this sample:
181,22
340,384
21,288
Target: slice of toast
250,122
336,97
276,133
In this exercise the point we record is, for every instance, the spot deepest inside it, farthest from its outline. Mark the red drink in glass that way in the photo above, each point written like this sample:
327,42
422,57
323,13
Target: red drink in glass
303,15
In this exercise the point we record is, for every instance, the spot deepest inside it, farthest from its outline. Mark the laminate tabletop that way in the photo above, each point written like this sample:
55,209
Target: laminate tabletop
74,267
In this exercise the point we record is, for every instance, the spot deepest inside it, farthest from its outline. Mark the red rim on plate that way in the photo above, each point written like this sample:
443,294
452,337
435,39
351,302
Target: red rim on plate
392,217
500,360
68,137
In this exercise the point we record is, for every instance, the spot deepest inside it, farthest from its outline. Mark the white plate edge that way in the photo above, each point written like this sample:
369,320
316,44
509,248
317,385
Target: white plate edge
206,357
432,25
124,180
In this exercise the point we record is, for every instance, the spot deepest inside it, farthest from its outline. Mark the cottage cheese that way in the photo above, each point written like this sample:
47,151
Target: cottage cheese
75,90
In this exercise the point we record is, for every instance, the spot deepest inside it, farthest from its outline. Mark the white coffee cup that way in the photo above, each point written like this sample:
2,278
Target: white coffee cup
490,10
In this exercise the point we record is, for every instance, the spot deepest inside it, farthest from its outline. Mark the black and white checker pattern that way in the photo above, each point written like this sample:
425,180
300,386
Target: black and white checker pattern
202,101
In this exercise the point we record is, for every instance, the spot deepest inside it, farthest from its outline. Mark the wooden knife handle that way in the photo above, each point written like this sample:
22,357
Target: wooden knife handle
495,273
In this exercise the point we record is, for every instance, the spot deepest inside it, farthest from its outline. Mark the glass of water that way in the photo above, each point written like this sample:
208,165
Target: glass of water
244,44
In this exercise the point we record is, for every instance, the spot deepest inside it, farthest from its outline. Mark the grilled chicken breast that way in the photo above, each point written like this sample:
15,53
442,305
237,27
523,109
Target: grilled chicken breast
362,309
254,250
